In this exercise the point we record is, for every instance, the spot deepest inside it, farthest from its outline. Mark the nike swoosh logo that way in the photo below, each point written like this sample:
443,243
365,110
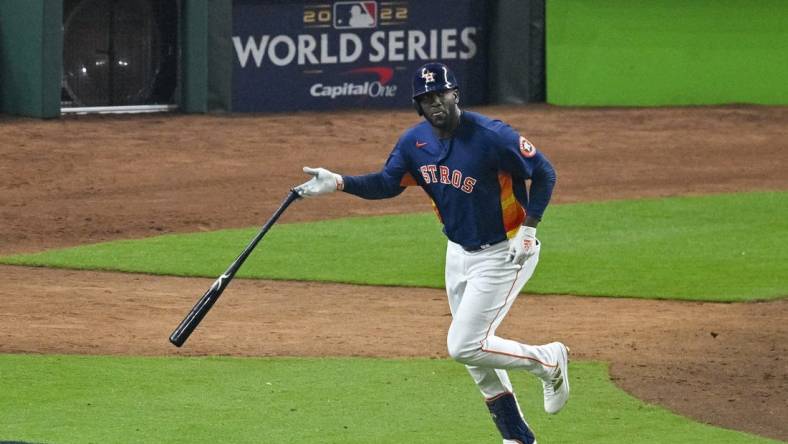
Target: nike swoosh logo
420,144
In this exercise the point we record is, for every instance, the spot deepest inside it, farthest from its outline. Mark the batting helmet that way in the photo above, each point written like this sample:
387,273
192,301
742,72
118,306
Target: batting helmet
433,77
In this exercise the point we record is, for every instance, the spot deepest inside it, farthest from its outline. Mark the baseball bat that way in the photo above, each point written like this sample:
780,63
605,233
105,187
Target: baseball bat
200,309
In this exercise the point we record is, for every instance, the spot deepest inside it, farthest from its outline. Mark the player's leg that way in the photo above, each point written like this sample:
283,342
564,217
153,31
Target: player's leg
454,276
491,288
493,383
508,418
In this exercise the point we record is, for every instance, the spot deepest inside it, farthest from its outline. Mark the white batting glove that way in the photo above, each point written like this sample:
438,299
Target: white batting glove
523,245
322,182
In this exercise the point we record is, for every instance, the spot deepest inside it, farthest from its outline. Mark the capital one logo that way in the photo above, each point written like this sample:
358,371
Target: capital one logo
355,15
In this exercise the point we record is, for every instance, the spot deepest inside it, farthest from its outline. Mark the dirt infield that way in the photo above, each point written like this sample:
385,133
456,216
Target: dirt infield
88,179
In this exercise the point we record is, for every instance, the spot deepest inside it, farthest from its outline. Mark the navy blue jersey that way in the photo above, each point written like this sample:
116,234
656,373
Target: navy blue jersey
476,178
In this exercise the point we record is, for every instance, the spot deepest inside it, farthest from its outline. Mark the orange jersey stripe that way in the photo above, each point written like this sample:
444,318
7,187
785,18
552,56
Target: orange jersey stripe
513,213
437,213
407,181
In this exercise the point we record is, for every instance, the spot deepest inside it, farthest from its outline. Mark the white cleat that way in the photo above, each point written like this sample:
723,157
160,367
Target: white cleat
556,387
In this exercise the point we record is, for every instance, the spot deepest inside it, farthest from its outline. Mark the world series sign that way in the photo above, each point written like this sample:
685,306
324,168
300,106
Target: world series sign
351,54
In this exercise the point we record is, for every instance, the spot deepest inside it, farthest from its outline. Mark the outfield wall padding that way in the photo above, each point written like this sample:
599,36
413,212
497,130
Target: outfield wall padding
194,56
667,52
31,57
206,56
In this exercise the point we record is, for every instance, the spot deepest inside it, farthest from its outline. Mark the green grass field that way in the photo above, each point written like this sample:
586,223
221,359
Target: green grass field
730,247
95,399
723,248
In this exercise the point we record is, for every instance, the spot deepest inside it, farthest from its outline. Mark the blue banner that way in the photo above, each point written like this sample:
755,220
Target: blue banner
300,55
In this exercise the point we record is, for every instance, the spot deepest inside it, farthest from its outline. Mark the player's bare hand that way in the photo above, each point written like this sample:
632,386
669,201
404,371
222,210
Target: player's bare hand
523,245
322,182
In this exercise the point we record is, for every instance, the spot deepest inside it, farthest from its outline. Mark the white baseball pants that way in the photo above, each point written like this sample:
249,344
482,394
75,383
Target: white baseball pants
481,287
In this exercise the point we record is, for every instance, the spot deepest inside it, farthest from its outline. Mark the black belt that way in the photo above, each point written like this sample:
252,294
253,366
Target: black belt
478,248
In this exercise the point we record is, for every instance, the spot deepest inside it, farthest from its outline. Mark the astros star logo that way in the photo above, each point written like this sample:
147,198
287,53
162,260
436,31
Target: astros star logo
428,76
527,148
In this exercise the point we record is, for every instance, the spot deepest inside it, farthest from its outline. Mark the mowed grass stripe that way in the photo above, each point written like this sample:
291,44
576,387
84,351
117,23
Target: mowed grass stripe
79,399
730,247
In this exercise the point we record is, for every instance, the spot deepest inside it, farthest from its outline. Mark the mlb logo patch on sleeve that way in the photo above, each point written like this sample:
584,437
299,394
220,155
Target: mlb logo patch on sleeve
527,148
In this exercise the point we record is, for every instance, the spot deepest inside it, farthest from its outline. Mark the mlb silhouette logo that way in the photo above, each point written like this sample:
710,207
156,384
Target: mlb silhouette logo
354,15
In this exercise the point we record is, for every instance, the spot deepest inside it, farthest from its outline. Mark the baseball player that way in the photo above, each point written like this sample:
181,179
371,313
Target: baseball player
475,170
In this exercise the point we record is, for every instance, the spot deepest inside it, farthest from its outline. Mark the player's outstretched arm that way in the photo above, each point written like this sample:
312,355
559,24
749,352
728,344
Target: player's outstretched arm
322,182
380,185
